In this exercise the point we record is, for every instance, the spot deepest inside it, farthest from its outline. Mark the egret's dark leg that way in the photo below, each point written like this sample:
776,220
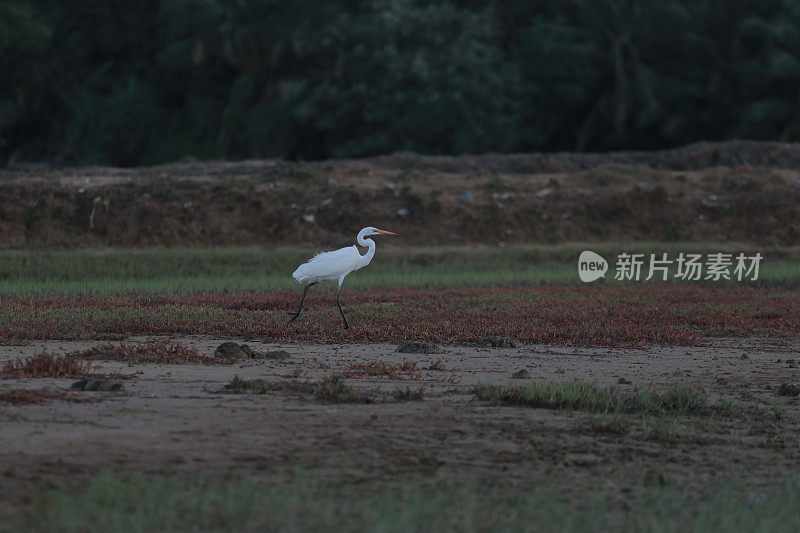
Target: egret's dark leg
339,305
297,313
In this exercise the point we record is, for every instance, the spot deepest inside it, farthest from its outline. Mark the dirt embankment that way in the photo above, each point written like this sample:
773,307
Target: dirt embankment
722,192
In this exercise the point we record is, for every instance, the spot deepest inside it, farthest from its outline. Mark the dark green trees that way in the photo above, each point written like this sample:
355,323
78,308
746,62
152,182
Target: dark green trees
128,83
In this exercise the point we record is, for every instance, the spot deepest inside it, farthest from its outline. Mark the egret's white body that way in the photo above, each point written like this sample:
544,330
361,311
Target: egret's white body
336,265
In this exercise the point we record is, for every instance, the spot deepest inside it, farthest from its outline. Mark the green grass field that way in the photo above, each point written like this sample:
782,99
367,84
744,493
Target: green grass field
307,503
250,269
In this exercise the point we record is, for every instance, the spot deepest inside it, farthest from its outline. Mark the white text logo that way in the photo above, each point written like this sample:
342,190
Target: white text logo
591,266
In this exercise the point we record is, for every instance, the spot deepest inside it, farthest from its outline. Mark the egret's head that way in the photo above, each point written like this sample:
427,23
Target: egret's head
366,232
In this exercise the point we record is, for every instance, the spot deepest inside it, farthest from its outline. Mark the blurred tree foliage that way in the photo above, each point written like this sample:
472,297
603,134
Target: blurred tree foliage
129,83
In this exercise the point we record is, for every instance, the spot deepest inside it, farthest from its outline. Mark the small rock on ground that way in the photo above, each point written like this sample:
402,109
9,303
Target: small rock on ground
788,390
231,350
418,347
498,342
522,374
97,385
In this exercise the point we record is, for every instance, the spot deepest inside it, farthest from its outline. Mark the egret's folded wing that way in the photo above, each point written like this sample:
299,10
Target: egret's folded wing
327,265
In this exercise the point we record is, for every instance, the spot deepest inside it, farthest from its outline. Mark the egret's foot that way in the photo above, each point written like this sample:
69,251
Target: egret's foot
293,316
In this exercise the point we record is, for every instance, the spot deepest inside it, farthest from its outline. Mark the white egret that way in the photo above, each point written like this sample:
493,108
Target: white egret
336,265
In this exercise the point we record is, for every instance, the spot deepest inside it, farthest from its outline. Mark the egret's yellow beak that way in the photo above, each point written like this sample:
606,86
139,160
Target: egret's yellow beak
386,232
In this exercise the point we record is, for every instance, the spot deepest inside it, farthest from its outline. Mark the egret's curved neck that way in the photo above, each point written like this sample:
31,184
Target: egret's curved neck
367,257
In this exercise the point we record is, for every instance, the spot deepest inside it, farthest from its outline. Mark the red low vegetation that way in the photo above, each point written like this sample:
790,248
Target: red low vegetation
36,396
46,365
163,352
587,315
407,370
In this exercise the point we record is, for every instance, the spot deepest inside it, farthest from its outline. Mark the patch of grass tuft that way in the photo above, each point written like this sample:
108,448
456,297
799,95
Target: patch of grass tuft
408,394
679,399
239,385
261,386
332,389
584,396
659,429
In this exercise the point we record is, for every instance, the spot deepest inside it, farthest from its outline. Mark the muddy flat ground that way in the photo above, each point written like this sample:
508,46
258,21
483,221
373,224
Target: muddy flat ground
174,418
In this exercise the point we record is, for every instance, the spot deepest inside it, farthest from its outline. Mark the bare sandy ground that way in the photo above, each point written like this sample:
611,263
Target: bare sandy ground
172,419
